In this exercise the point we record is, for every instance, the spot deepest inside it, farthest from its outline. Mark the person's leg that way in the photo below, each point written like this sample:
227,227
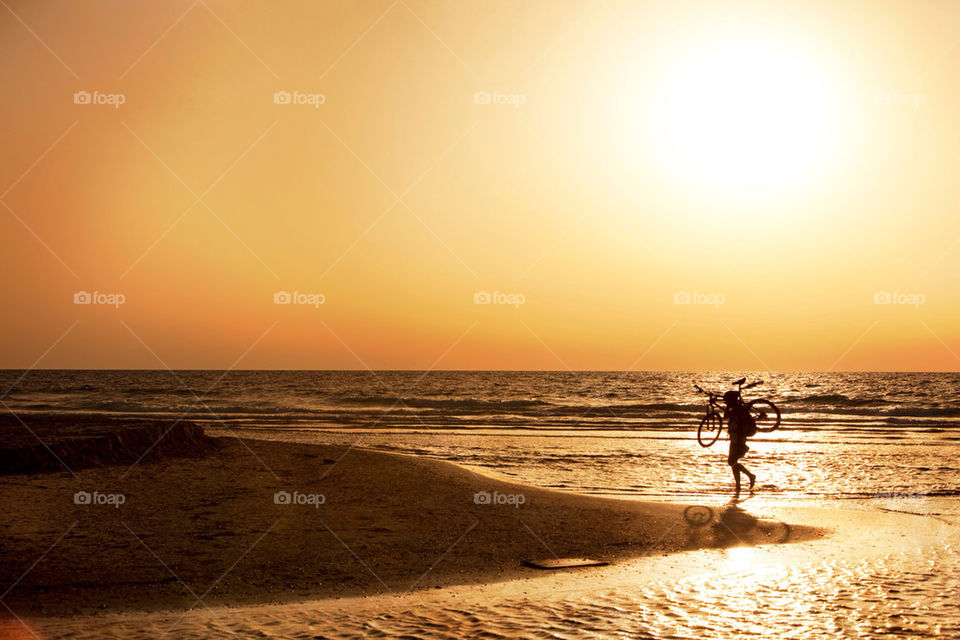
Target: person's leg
753,478
733,459
735,467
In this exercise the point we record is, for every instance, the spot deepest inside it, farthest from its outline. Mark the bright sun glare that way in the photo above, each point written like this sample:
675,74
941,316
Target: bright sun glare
745,114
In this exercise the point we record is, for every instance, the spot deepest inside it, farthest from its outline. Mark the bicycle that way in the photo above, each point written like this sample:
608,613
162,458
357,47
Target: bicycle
765,413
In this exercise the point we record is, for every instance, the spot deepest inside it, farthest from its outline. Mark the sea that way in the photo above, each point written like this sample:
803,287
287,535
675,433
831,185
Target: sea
842,435
847,442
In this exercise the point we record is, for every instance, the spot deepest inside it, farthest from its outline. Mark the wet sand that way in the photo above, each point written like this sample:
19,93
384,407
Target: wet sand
211,531
878,573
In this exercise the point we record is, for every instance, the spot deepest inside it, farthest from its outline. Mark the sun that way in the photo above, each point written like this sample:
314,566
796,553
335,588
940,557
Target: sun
741,113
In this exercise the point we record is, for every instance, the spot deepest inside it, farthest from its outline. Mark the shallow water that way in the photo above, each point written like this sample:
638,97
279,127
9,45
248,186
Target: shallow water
912,594
896,474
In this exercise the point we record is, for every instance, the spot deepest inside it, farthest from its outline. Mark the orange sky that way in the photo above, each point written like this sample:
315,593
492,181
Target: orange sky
785,168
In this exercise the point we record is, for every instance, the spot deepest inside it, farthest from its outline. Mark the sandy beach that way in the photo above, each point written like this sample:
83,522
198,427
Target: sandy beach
388,544
263,522
826,587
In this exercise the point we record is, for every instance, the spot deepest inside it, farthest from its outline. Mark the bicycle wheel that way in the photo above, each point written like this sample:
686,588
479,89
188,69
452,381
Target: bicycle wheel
697,516
709,429
766,415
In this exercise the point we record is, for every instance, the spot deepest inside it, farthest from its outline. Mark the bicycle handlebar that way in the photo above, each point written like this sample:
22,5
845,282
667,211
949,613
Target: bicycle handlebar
740,385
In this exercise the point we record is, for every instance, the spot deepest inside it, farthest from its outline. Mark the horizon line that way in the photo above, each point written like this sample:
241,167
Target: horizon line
412,370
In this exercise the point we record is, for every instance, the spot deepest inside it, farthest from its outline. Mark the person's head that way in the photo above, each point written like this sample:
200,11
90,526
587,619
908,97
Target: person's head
731,398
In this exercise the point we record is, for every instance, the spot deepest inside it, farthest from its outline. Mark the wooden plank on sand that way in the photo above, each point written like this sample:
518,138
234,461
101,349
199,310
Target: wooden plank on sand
564,563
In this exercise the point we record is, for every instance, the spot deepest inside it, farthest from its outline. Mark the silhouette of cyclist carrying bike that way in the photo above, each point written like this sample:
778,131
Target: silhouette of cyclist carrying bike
740,425
742,419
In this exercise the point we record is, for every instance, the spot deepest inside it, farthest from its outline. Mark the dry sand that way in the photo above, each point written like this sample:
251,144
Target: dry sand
210,528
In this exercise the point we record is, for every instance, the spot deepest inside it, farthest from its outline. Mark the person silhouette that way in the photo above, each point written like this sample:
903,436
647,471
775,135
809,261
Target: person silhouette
741,426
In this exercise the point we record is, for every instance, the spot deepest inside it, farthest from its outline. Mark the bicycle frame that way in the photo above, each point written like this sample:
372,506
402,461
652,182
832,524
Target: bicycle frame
715,400
765,414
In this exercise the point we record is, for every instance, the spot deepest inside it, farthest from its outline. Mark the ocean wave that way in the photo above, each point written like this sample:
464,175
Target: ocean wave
528,410
187,405
837,399
116,406
468,405
923,412
167,391
933,493
678,407
53,391
449,403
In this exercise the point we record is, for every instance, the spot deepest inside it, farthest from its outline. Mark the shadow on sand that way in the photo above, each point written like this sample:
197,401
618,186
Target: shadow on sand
731,525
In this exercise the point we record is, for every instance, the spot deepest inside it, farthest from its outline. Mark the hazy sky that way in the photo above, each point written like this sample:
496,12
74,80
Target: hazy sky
656,185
